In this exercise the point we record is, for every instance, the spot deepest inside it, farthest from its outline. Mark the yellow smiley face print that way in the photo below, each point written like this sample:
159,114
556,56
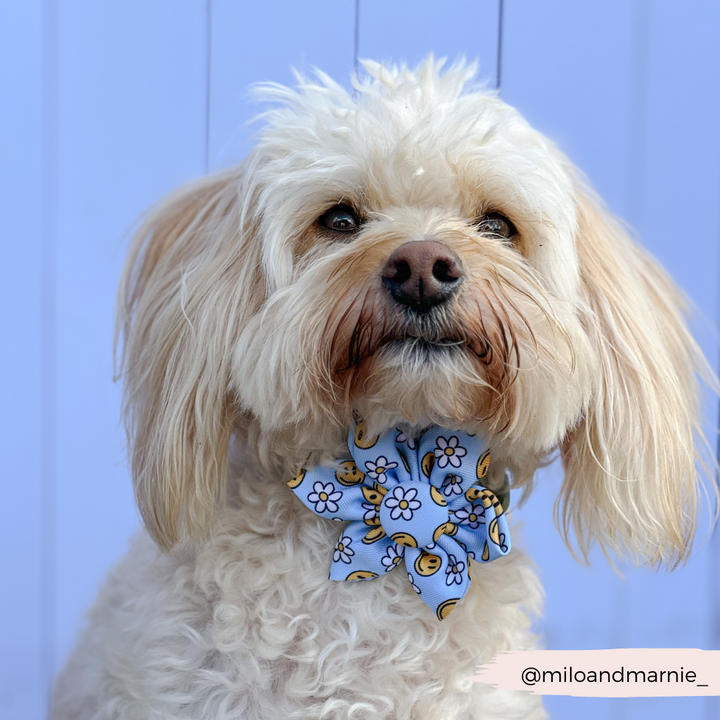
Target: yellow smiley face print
437,496
361,575
494,531
362,438
427,564
428,463
473,493
299,477
372,536
444,609
373,496
348,473
483,465
403,538
490,500
447,528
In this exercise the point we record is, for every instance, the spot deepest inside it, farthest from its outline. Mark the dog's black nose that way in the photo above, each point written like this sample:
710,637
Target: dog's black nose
422,274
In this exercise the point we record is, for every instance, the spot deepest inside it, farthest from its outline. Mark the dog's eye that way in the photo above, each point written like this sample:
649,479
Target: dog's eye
340,218
494,223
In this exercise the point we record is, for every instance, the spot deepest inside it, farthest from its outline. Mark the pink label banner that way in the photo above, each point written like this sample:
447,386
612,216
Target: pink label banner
630,672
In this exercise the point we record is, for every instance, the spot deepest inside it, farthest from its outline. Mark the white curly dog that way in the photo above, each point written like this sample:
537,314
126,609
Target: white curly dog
415,253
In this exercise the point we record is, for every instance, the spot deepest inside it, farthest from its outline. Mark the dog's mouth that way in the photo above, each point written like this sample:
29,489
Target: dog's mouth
470,349
470,343
426,345
433,334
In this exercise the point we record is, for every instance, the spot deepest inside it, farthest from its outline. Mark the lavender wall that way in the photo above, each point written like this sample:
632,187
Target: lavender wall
107,106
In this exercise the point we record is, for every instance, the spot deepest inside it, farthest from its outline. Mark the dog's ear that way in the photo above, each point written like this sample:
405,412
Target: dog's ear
631,466
190,283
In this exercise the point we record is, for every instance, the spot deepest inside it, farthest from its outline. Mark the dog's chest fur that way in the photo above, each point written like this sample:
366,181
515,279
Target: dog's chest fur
252,628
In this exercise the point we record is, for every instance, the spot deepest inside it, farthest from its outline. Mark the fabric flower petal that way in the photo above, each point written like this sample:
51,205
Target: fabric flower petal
441,576
367,449
444,452
491,539
370,546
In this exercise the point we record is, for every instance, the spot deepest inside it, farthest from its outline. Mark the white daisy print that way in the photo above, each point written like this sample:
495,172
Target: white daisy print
453,573
402,503
471,515
414,586
449,452
410,441
376,470
452,485
371,511
343,551
392,557
501,542
325,497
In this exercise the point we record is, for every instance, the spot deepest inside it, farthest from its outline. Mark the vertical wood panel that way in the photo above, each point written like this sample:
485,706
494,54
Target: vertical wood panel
572,69
407,30
677,215
604,81
24,234
131,128
258,42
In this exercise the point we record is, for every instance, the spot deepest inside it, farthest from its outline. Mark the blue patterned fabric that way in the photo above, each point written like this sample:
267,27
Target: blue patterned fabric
417,500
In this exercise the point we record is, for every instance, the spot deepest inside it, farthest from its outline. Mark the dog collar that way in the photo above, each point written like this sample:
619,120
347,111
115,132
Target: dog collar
414,499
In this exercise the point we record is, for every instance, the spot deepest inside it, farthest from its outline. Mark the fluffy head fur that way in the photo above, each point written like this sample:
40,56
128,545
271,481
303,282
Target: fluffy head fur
244,318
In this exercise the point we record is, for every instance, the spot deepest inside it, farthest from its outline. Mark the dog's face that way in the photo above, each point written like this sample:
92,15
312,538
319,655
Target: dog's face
420,264
417,254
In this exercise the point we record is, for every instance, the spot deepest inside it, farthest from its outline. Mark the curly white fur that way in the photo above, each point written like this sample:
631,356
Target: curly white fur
252,628
251,335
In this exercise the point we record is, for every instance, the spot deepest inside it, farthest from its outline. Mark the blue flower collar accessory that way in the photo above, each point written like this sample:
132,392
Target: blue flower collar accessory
420,500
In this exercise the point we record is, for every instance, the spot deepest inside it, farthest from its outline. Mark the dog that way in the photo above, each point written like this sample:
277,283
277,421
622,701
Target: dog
413,254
